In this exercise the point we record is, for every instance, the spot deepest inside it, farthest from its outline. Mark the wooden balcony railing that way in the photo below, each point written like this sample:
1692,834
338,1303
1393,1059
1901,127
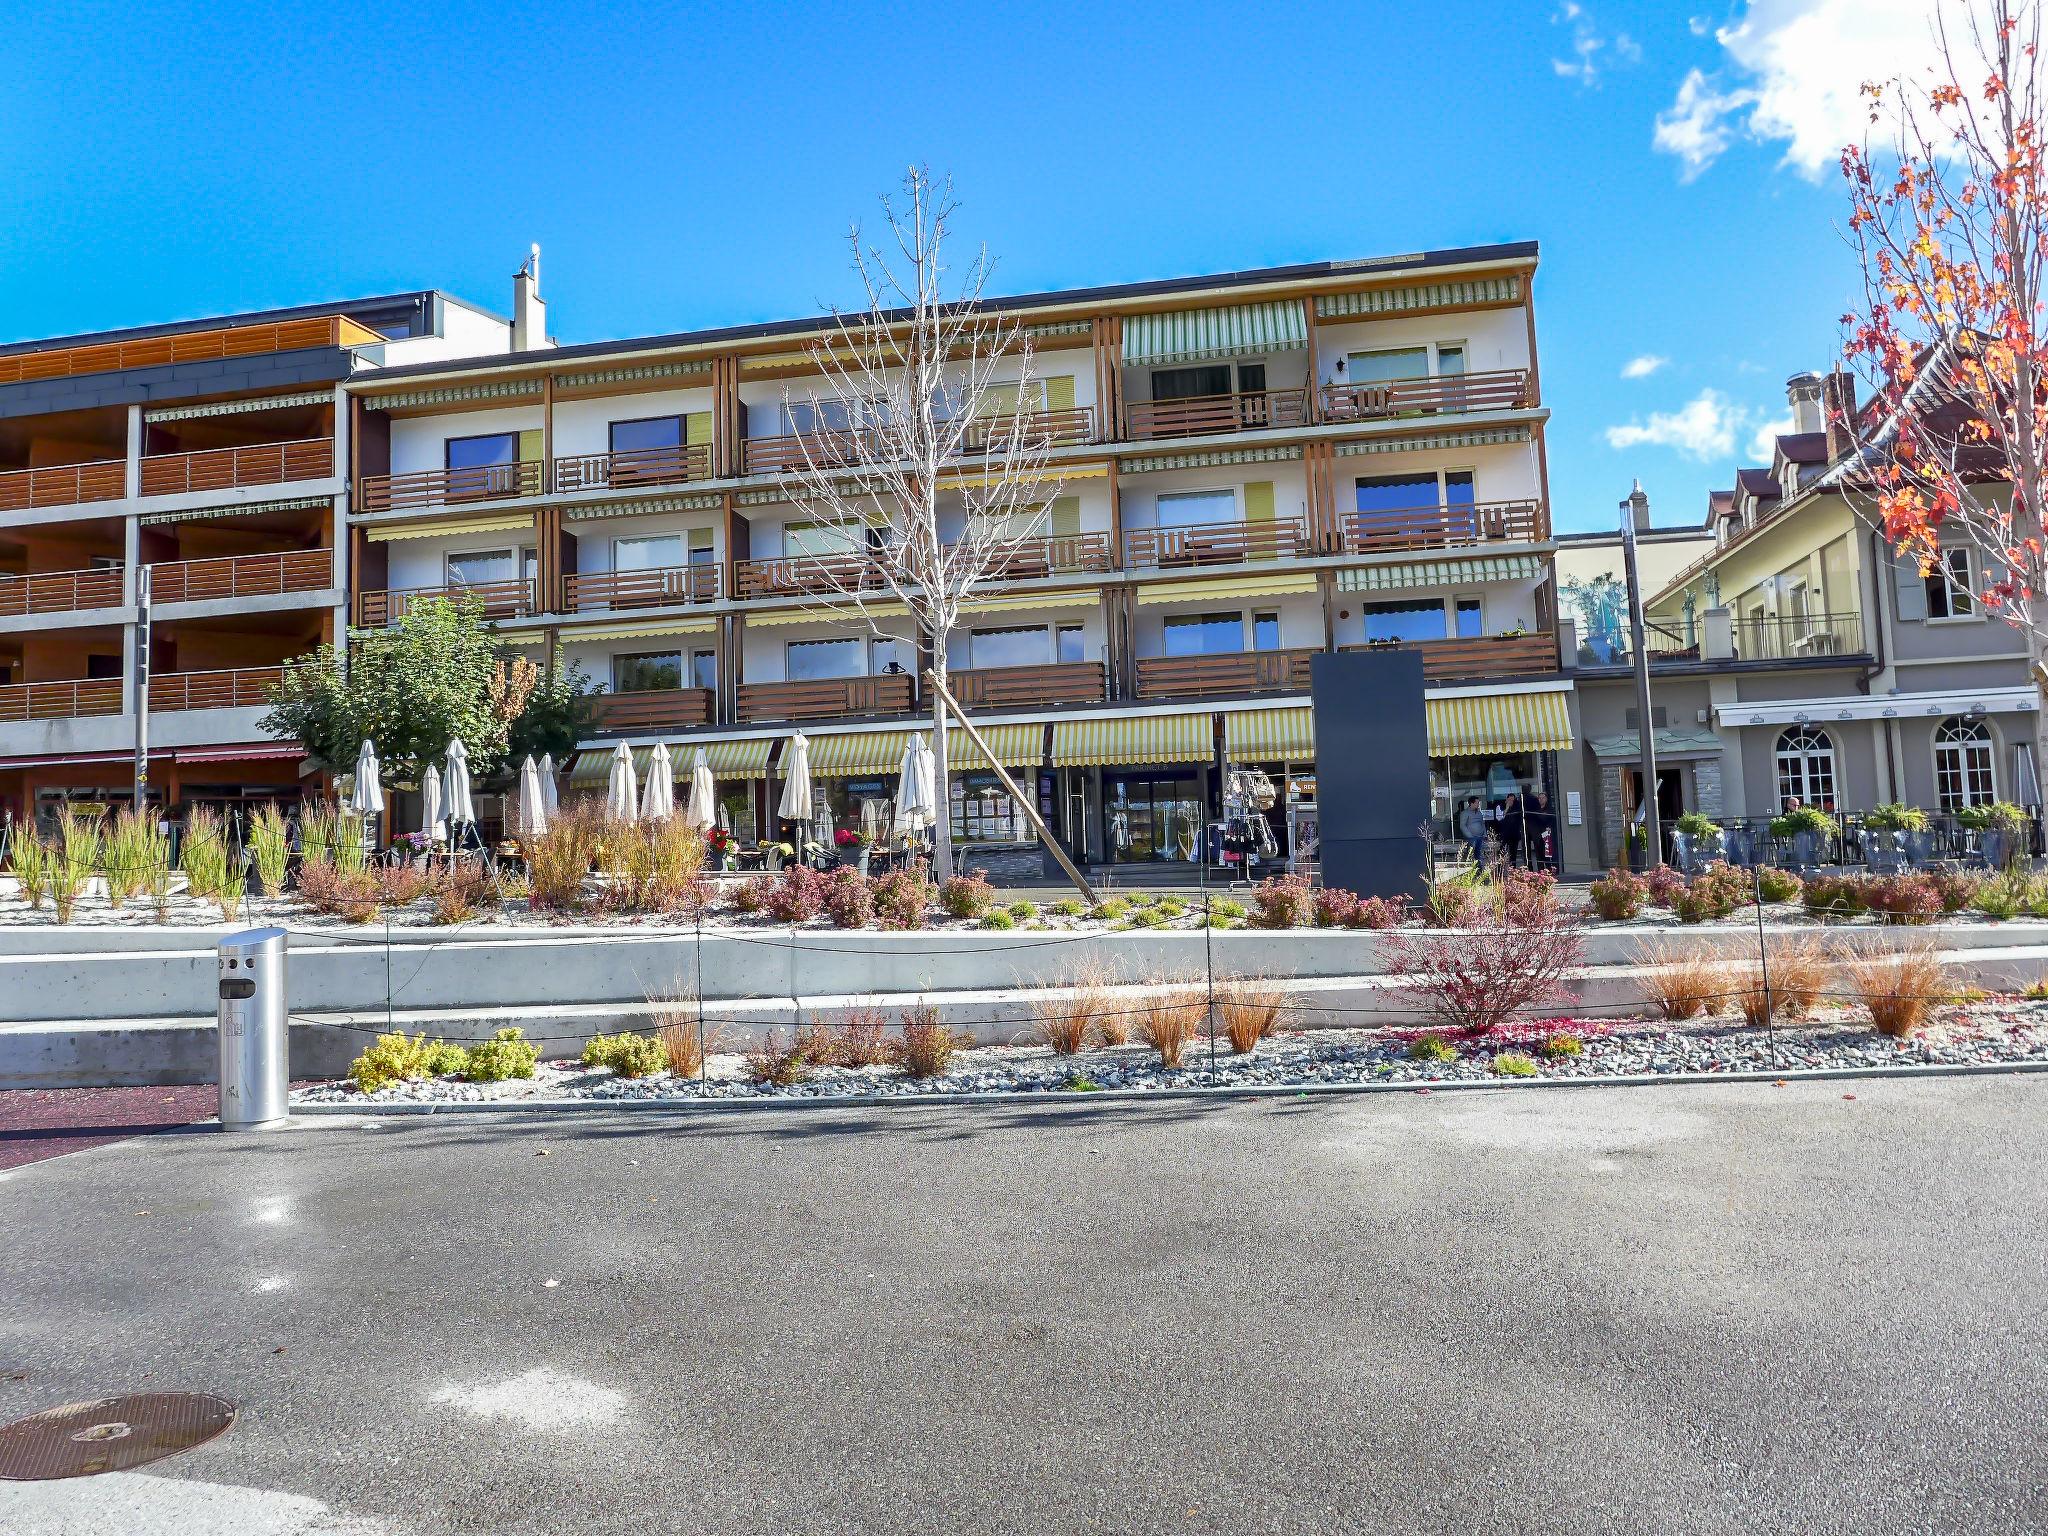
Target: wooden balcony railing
794,450
656,710
1049,553
801,575
1504,389
1165,677
70,700
63,485
1217,543
500,599
633,468
60,592
663,587
199,581
1207,414
1060,429
1065,682
441,487
891,693
187,347
218,469
1481,656
1444,527
241,688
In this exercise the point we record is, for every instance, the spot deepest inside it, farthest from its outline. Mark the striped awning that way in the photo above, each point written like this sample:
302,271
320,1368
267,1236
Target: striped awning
237,509
644,631
386,533
857,752
1440,573
1500,722
1015,600
1144,739
1201,335
728,760
1226,587
1262,735
1015,746
822,614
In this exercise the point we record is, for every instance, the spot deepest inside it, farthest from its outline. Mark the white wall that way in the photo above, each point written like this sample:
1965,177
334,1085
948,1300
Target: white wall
1500,472
762,648
1141,493
419,442
424,562
1284,370
595,536
763,399
1493,338
464,333
584,426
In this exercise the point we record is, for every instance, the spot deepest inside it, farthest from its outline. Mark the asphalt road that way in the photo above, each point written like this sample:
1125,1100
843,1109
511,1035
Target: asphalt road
1737,1309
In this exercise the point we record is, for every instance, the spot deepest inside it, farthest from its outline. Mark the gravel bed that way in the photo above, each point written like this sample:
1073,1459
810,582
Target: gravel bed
1970,1035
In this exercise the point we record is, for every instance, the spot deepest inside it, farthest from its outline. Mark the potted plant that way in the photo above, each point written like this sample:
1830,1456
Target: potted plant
718,843
1695,837
2000,827
1807,819
1894,817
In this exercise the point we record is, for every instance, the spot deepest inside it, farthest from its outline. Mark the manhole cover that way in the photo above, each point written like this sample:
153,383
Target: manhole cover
109,1435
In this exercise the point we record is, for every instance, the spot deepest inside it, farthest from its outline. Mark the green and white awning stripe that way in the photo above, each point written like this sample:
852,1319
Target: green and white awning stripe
1058,328
1394,301
237,509
238,407
1440,573
708,501
1481,437
761,498
642,371
1209,459
1203,335
494,389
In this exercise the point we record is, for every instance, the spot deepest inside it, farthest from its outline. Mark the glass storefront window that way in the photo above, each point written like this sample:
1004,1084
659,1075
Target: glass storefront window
736,805
1152,816
985,812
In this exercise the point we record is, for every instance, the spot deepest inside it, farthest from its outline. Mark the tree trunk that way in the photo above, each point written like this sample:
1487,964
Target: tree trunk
942,788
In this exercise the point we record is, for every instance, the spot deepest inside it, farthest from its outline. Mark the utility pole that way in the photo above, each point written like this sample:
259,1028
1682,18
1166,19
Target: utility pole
141,685
1637,507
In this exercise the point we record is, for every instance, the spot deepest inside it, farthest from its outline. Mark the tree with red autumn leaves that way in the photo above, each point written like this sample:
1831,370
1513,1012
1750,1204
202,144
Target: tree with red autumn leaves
1950,222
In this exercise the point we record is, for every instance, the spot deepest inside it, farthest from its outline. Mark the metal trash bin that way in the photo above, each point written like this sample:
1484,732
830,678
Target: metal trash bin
255,1076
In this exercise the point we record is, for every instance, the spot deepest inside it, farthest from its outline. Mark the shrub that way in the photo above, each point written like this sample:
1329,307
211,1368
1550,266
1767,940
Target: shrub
461,890
2001,814
350,894
849,901
901,898
1461,900
926,1043
1894,817
1807,818
269,849
999,920
1168,1024
124,858
1903,898
1334,907
1663,883
401,1058
1223,906
1684,981
797,897
1955,888
1171,907
2002,896
31,857
1477,978
861,1038
1693,824
1022,911
1898,988
1283,902
1070,907
627,1054
399,885
1251,1009
774,1066
1719,889
1110,909
1379,912
751,895
558,861
1837,896
77,856
1773,884
1431,1047
967,896
1514,1064
1559,1047
506,1054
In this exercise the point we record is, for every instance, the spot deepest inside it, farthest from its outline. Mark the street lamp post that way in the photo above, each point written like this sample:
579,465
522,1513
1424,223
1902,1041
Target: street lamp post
1637,508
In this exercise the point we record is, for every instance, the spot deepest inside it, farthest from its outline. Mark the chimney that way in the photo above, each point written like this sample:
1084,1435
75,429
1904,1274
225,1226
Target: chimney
529,309
1638,505
1838,401
1803,390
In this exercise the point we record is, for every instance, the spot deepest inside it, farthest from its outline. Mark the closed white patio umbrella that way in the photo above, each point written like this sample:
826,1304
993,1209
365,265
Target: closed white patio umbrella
622,794
461,808
795,804
432,822
366,792
658,803
914,808
703,801
531,814
550,795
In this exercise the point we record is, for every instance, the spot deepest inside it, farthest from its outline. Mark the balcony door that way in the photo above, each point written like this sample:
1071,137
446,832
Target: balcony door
1192,383
481,466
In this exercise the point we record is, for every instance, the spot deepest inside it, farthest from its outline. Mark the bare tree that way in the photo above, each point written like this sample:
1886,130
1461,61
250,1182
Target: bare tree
923,458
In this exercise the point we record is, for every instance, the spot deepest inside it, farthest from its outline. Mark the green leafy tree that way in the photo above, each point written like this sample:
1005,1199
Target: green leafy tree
560,712
411,689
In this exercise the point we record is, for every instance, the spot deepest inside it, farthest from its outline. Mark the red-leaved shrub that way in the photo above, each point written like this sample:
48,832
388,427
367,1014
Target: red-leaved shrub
1618,894
848,900
1378,912
1285,902
797,897
1334,907
901,897
1476,979
967,896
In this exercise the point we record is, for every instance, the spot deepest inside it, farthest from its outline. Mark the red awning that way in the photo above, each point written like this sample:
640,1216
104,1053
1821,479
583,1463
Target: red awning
162,754
256,753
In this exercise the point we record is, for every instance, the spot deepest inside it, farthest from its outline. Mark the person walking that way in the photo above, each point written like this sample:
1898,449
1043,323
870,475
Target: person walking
1472,828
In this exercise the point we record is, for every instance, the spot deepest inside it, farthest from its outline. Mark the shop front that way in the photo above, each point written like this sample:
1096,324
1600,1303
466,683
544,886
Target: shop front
1493,768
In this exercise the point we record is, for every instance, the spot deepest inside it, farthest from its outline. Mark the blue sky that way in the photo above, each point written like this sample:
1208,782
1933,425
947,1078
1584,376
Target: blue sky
692,166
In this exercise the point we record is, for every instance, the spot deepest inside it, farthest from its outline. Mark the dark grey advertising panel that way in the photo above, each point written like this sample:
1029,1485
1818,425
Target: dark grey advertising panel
1372,770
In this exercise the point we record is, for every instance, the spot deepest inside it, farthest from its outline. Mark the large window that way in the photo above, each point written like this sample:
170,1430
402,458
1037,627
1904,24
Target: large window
1951,593
647,672
656,552
647,432
1190,509
818,416
1412,619
703,669
1190,383
1204,634
1393,363
1023,646
1962,763
807,661
1416,492
484,451
479,567
1806,769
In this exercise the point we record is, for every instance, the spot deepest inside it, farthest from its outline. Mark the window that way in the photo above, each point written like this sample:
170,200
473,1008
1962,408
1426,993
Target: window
1266,630
817,416
1393,363
806,661
1962,763
482,452
1450,358
1190,383
1204,634
1418,618
647,672
887,654
1191,509
821,539
1017,646
1806,768
479,567
1951,593
656,552
1397,493
700,547
1470,613
1073,642
647,432
703,669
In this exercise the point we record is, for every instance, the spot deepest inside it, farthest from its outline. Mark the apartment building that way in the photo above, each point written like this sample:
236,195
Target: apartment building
1253,467
1796,657
210,453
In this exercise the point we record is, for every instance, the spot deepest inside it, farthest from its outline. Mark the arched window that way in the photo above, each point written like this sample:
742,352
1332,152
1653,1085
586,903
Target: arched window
1962,763
1806,768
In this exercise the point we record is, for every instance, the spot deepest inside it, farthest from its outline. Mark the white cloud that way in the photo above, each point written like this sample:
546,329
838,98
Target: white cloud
1703,428
1591,53
1764,441
1799,68
1642,367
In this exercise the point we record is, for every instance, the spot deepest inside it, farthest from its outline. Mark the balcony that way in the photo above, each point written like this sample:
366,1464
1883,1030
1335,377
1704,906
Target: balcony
790,452
1173,677
220,469
793,451
1504,389
892,693
664,587
187,347
200,581
1057,429
1051,554
500,600
1482,656
633,469
1799,637
806,576
71,700
63,485
60,592
658,709
1208,414
1066,682
1217,543
450,487
1393,530
241,688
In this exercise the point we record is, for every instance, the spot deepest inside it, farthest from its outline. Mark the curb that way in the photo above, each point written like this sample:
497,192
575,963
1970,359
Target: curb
1135,1095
